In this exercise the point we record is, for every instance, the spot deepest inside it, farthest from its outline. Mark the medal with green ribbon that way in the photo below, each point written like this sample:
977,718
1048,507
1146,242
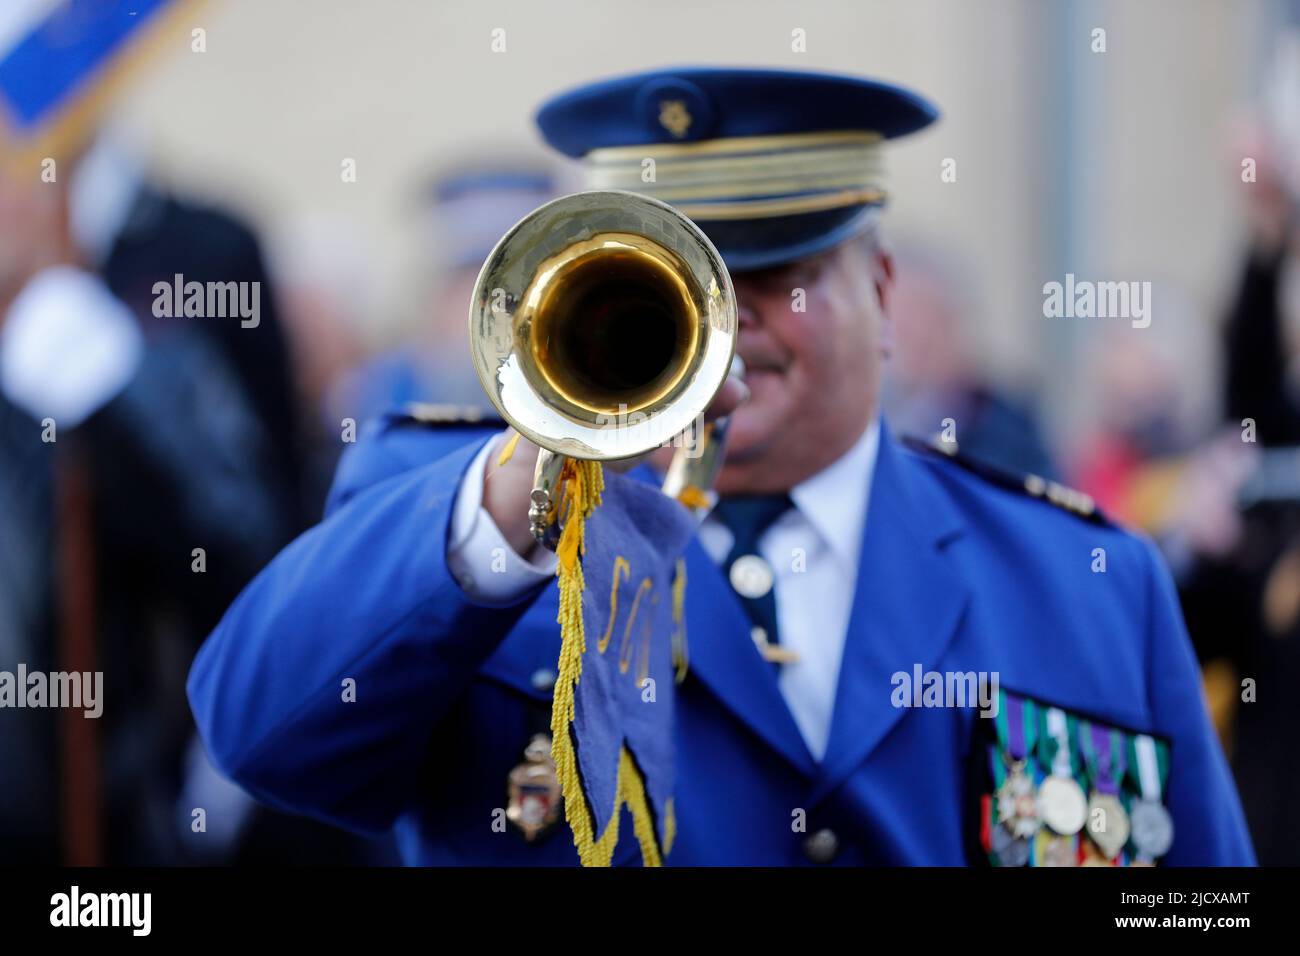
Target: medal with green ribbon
1103,752
1151,825
1062,804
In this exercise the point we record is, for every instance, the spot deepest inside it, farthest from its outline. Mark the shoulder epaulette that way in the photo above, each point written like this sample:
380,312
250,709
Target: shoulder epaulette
1035,486
445,415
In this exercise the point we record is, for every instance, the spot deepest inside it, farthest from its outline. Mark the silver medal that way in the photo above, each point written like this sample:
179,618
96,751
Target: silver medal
1152,828
1011,851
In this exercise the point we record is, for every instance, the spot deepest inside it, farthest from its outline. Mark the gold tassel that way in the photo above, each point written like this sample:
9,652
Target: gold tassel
670,826
509,451
693,497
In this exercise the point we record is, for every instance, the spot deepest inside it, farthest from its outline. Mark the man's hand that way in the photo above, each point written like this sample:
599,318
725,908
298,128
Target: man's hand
506,488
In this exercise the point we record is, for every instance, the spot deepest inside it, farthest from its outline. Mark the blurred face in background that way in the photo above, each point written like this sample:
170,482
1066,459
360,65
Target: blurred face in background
446,338
813,374
931,350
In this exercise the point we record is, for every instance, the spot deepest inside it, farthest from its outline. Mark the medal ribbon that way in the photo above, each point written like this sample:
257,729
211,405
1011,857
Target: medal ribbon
1149,765
1105,756
1054,742
1017,726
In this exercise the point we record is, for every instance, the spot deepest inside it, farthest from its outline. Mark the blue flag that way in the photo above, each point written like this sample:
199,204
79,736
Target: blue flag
57,61
621,606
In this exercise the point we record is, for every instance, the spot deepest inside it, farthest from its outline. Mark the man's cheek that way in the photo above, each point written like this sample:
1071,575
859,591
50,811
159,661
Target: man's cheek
811,311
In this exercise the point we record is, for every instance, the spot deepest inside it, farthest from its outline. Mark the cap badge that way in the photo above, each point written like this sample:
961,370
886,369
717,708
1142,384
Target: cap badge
674,117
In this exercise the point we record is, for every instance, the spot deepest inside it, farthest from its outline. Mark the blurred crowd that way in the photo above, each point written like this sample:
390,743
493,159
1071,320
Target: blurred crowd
189,452
1209,467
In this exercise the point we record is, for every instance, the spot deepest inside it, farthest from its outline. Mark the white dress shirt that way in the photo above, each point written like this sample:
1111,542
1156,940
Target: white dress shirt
814,550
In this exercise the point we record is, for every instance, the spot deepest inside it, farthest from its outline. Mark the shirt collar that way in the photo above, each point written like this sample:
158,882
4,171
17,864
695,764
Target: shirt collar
834,501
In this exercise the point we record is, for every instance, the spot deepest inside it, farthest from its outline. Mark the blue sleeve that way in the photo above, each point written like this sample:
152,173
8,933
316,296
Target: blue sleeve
1209,826
365,596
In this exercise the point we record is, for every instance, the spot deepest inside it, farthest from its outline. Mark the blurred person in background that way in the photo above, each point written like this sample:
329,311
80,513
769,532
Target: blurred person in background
1154,458
935,374
464,212
149,451
173,433
1224,501
1261,574
147,455
323,274
1145,415
127,441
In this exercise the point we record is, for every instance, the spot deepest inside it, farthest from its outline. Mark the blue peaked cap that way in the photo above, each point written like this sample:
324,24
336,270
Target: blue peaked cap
774,165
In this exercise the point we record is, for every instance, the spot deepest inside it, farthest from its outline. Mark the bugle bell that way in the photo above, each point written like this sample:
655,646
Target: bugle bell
602,325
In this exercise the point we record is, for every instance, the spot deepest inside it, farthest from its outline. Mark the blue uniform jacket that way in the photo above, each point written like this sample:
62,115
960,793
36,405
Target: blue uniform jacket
957,574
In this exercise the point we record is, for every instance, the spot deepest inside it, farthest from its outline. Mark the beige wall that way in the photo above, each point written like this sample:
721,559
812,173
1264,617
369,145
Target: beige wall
288,88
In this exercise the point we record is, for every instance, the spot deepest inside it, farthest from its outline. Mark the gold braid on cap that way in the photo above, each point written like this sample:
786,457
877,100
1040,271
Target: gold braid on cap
748,177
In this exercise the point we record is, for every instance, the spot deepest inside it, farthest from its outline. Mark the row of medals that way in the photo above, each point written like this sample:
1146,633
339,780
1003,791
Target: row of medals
1060,804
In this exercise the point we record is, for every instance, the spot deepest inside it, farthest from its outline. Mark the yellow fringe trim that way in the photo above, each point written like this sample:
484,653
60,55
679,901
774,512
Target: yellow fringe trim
681,656
670,826
581,484
509,451
631,790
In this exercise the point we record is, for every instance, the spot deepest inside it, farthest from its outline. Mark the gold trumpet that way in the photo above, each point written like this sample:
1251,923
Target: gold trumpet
602,325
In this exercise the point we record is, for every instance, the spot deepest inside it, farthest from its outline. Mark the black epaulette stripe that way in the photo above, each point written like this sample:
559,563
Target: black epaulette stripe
1067,499
446,416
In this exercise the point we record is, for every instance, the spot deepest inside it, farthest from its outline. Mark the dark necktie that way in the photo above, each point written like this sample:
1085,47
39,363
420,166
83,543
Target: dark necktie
750,575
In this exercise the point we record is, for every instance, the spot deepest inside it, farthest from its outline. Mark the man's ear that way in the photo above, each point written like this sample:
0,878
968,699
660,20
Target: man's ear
883,276
883,273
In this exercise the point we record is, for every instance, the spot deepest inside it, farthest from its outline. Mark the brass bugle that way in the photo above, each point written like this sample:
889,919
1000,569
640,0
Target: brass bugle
602,326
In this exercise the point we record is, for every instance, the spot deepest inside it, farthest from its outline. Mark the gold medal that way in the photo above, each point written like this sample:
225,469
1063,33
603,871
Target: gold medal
534,790
1107,823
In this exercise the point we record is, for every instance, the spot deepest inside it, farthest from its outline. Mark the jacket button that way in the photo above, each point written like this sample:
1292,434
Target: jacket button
822,846
543,680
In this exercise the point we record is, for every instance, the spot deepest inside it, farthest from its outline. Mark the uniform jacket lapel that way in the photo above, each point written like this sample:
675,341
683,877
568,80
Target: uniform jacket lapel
723,656
908,604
